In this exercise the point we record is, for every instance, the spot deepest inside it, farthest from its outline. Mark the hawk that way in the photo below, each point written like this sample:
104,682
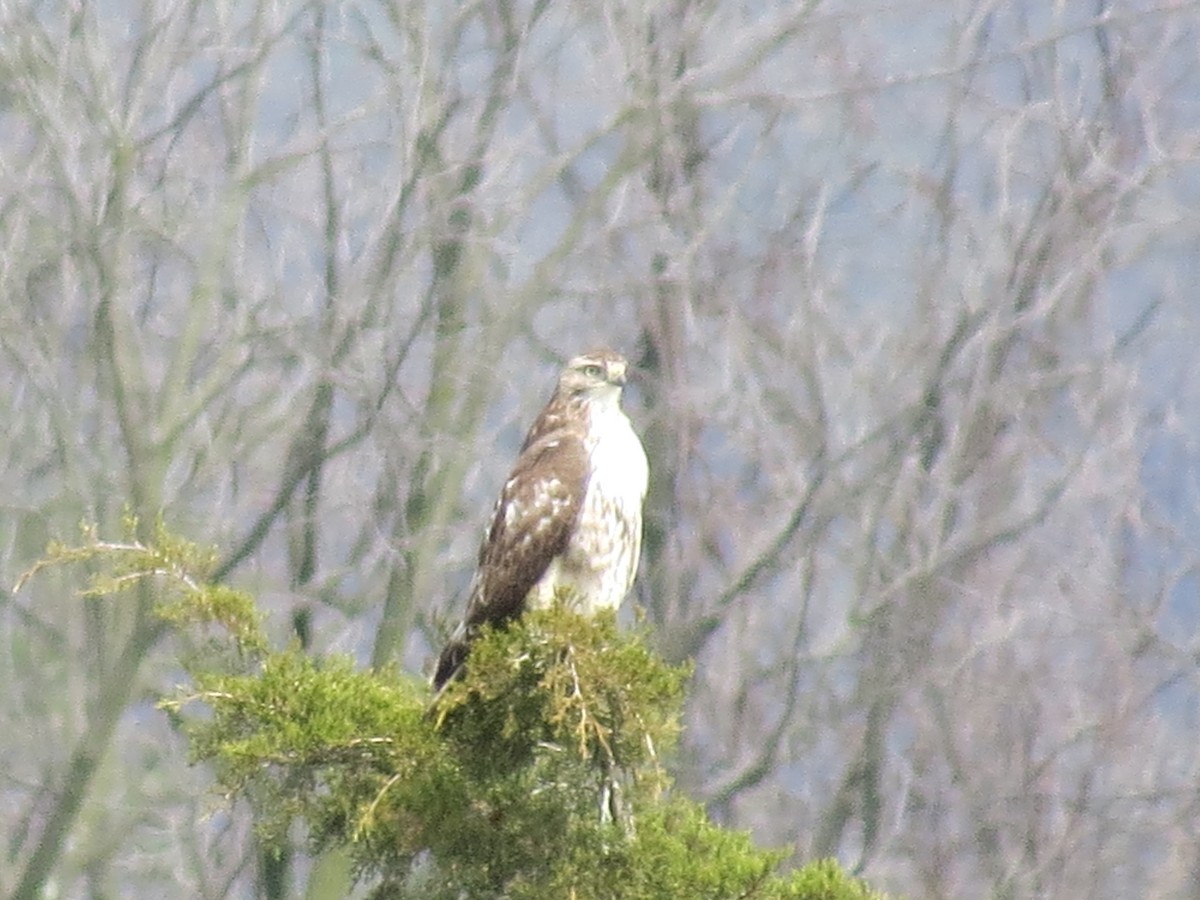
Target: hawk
569,515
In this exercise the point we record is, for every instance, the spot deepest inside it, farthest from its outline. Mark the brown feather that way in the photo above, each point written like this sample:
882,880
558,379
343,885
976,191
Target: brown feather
547,486
569,515
545,492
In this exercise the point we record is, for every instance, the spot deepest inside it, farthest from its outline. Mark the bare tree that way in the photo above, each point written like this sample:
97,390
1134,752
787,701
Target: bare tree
910,292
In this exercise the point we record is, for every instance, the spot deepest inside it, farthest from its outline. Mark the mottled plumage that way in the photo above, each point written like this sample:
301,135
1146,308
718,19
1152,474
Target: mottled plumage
570,513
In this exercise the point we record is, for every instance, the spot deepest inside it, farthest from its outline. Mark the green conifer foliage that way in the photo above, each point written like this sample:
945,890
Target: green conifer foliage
538,774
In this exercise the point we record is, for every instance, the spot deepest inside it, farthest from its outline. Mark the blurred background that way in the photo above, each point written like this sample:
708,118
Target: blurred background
913,292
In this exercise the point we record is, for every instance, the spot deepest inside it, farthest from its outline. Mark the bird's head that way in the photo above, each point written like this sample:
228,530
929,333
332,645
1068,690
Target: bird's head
597,375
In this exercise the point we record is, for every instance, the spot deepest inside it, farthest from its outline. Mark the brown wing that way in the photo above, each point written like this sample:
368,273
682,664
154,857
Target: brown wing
532,522
531,525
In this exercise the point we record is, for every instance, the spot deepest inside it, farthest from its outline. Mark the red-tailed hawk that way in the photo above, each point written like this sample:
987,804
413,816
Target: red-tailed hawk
570,514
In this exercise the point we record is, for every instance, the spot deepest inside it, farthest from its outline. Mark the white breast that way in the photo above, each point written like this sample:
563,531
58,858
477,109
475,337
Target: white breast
602,557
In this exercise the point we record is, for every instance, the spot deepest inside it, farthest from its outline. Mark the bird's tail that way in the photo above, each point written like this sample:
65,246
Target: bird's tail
452,657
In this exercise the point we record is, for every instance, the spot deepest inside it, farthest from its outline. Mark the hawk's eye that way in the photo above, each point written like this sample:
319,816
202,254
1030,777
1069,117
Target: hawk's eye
593,371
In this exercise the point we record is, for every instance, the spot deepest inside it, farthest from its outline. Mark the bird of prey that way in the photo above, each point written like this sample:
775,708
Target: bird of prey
569,515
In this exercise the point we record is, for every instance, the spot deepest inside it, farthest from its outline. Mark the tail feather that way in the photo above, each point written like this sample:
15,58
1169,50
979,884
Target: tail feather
450,661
